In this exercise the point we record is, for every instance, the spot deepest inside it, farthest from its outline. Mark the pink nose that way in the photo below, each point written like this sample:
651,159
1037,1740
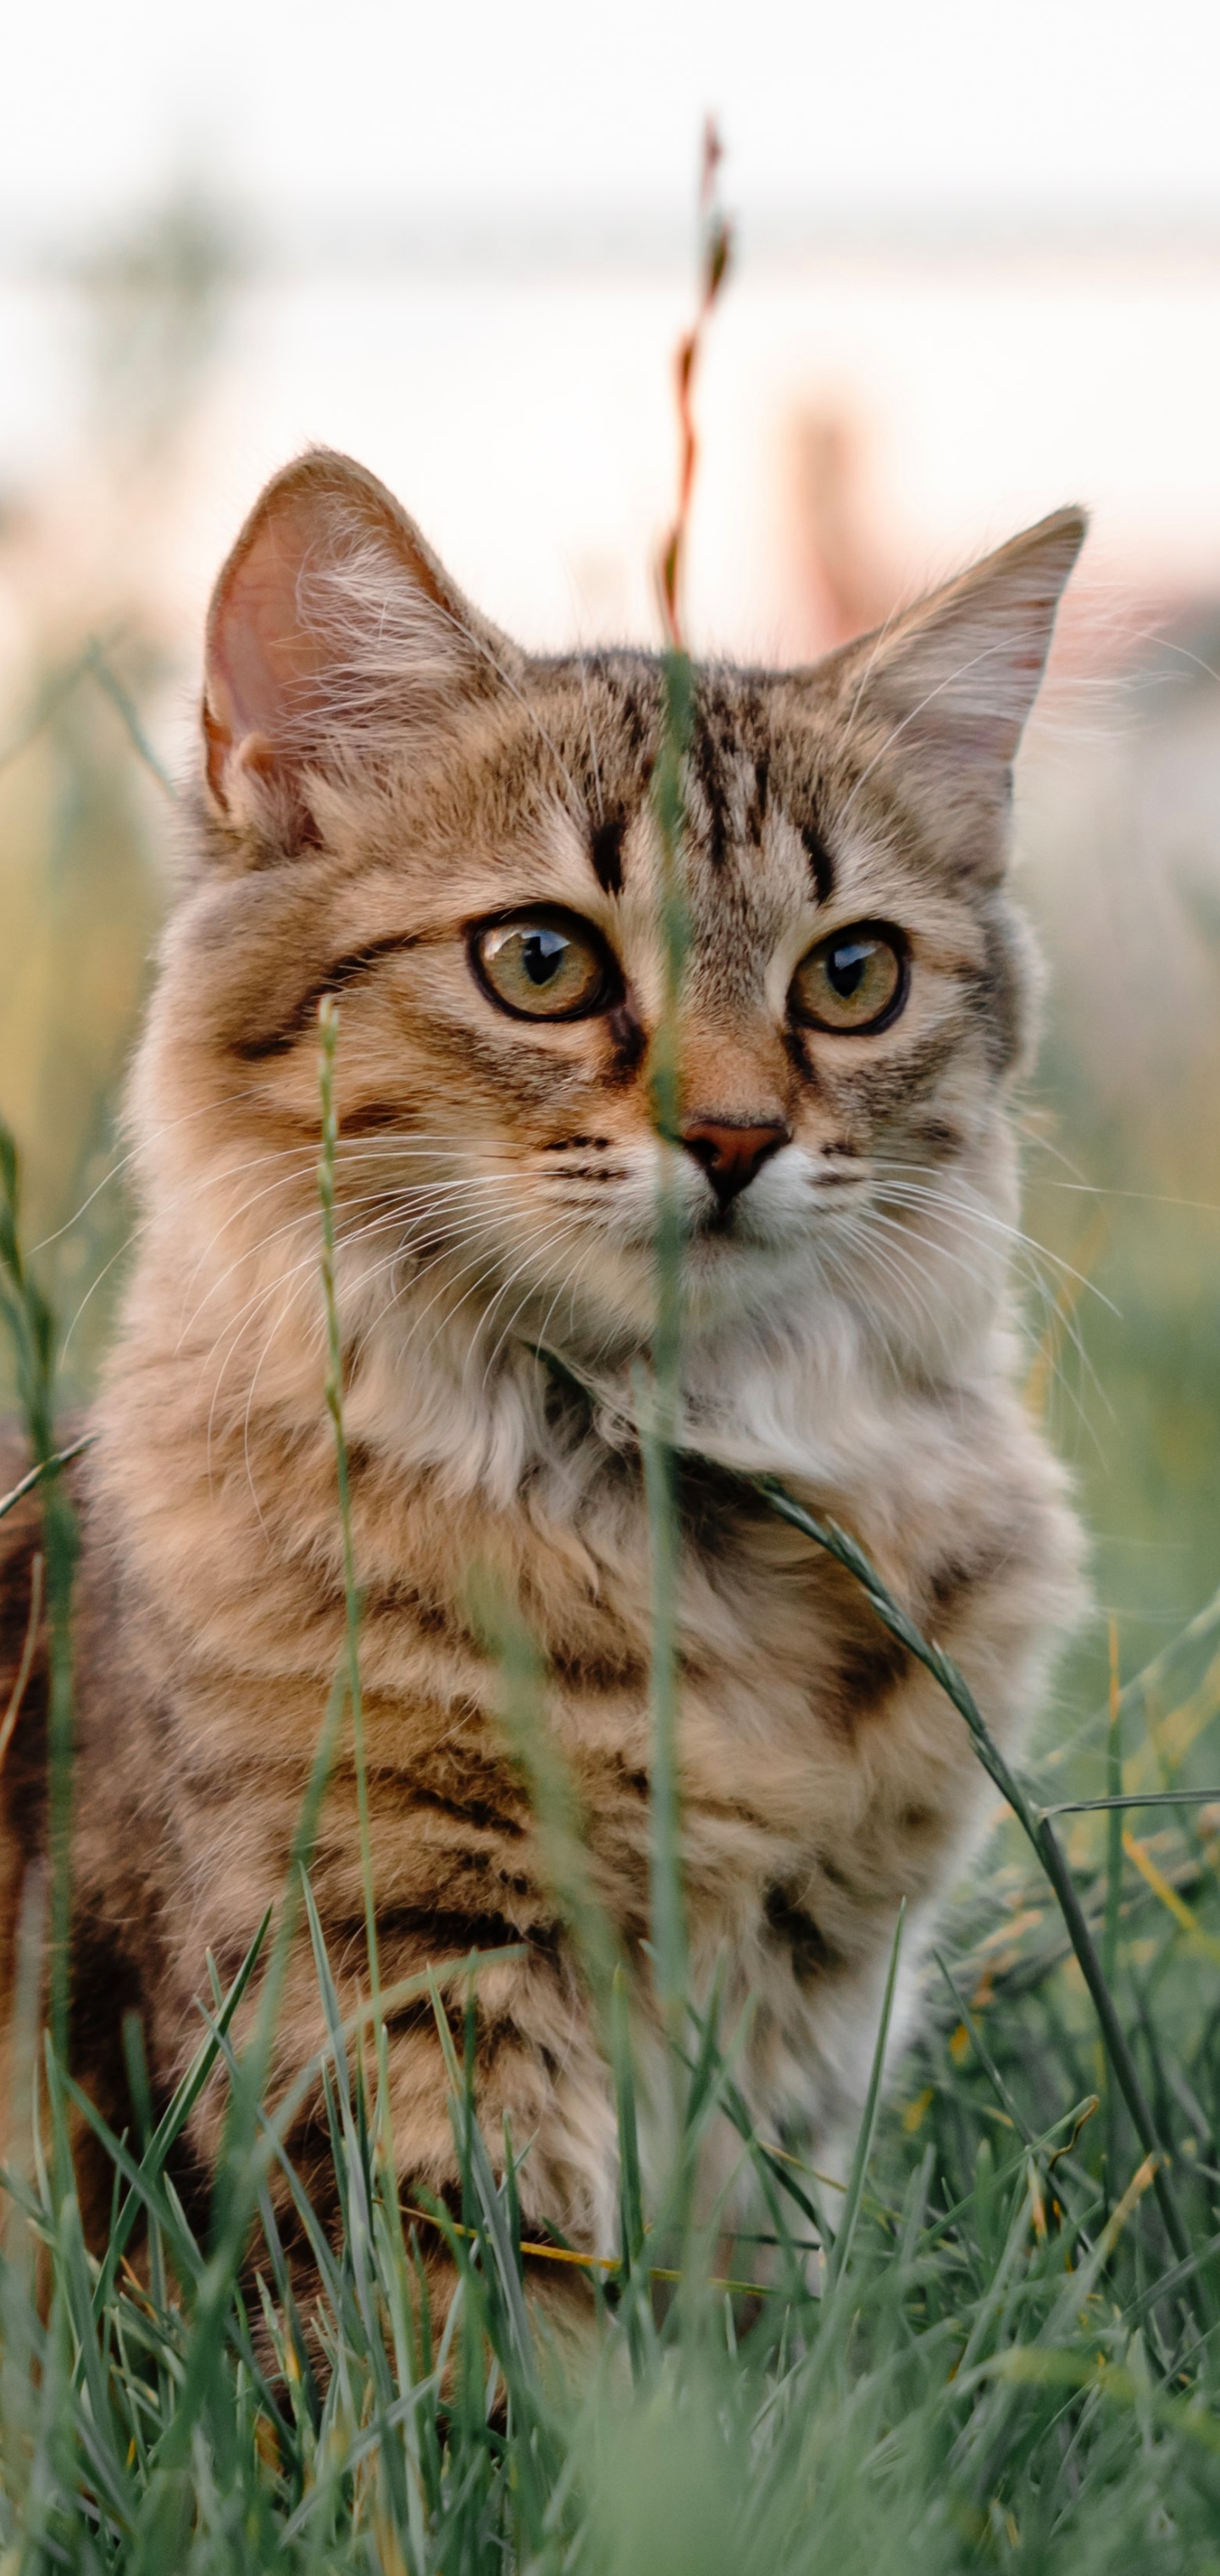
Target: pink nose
731,1154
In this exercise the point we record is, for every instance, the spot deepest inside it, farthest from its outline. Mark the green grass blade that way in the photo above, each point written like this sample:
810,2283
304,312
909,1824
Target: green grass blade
839,2254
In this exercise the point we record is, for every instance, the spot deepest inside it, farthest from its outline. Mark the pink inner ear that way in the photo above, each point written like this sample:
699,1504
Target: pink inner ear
330,616
260,659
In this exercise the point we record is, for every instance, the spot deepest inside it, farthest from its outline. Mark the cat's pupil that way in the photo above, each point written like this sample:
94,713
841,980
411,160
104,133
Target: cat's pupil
541,954
845,968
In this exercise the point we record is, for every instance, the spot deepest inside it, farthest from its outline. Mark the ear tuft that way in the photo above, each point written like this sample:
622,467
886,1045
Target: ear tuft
944,692
333,631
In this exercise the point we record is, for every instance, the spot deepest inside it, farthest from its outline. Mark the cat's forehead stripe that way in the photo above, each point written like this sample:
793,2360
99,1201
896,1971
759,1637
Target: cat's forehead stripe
736,779
744,768
713,754
606,851
821,864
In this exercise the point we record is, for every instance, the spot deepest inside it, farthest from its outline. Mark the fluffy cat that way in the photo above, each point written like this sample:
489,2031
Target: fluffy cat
399,807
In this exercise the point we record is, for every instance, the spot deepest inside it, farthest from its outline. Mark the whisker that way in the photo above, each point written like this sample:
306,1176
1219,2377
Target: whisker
131,1237
1050,1301
559,1233
464,1270
573,1275
841,1259
912,1191
162,1127
353,1235
567,1285
308,1215
903,1278
303,1270
475,1231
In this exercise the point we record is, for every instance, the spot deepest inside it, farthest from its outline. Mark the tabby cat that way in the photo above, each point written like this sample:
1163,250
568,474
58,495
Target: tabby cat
398,807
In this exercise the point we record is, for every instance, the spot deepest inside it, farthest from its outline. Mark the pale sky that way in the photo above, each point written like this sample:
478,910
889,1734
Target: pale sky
300,106
523,407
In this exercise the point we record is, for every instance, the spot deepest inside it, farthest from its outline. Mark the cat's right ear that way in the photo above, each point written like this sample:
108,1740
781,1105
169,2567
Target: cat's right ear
333,632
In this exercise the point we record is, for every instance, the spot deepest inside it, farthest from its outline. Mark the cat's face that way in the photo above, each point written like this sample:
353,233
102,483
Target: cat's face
462,844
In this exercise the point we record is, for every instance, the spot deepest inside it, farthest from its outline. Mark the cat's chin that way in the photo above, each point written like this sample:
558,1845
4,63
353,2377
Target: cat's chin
796,1292
727,1277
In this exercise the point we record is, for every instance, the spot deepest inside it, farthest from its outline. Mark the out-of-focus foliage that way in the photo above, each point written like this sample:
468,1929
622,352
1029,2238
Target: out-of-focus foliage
85,819
1122,831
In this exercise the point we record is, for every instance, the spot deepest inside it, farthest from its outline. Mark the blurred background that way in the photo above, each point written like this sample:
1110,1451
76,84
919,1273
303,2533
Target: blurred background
977,274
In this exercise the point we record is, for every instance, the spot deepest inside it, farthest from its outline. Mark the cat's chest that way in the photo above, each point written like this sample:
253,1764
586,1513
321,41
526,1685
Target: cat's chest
820,1779
782,1677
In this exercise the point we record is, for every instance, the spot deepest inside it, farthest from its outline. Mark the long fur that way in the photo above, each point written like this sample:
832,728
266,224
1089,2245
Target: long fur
384,770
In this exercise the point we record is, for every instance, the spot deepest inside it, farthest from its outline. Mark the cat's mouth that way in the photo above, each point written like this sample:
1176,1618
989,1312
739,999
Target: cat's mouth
746,1223
736,1232
720,1224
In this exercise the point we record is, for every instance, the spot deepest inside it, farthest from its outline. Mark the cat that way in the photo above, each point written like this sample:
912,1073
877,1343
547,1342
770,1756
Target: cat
457,840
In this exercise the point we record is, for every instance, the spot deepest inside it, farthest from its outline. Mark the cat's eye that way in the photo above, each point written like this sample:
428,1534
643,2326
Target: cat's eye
543,966
853,982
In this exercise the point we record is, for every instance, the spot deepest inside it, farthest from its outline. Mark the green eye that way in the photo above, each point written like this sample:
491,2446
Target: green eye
543,966
854,981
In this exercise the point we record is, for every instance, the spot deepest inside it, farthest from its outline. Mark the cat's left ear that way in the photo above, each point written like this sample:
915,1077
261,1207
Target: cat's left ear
939,698
333,631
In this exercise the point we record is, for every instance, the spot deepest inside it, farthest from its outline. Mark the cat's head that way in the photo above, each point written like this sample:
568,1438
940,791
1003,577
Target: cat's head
461,842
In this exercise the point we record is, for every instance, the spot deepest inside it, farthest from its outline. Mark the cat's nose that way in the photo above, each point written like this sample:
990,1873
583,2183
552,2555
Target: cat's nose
731,1154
